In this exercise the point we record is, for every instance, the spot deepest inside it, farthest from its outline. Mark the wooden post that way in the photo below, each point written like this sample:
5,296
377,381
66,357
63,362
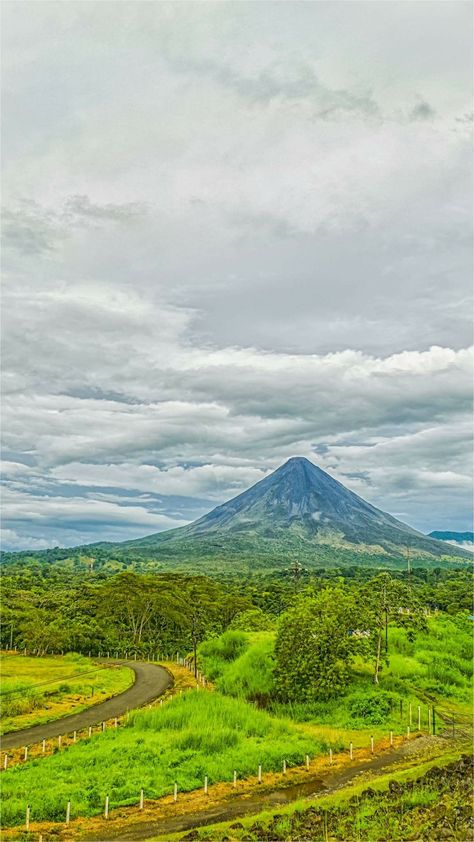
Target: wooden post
350,751
419,717
106,811
307,762
103,726
68,812
175,794
74,736
60,739
43,746
26,753
141,799
5,762
115,722
391,739
205,785
27,822
284,767
371,745
330,756
260,774
235,778
90,730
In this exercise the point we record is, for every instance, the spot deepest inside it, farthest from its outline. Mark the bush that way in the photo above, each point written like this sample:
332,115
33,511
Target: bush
372,707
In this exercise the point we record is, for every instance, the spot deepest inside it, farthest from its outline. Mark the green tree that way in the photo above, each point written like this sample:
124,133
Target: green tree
314,646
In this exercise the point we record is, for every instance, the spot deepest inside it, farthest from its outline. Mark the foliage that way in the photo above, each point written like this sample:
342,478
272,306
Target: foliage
254,619
314,647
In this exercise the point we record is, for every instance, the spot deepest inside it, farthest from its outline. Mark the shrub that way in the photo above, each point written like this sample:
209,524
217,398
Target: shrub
373,707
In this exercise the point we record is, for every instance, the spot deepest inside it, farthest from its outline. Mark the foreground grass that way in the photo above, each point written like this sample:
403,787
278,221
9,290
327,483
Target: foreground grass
193,735
38,690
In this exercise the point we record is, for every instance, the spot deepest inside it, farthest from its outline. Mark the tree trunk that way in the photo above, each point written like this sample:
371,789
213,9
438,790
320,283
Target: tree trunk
377,659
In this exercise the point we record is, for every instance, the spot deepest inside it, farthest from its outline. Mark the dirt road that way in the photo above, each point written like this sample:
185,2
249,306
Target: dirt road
150,682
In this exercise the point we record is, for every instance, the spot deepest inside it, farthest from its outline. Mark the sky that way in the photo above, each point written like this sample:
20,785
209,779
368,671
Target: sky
233,233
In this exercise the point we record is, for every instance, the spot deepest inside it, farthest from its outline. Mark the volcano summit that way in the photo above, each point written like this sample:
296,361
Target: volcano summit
298,508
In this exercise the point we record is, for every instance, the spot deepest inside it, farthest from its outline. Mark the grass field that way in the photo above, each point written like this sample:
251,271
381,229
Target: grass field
37,690
434,667
194,735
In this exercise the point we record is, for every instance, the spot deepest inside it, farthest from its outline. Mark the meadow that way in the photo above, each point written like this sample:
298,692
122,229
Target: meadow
195,734
37,690
432,667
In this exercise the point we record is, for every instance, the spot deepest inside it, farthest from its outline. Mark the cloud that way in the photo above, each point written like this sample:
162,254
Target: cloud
229,239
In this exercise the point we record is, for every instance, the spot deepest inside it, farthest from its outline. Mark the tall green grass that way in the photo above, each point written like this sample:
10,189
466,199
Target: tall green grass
193,735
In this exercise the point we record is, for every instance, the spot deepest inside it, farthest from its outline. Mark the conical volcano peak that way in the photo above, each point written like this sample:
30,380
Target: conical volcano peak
300,504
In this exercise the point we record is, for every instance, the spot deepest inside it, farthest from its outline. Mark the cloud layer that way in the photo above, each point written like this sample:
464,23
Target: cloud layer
229,239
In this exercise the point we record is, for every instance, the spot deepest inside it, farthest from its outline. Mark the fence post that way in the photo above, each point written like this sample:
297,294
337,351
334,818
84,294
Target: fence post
175,794
260,774
106,811
205,785
26,753
103,726
371,745
5,762
307,762
27,821
68,812
141,799
90,730
408,733
115,722
350,751
284,767
235,778
330,756
391,739
60,739
74,736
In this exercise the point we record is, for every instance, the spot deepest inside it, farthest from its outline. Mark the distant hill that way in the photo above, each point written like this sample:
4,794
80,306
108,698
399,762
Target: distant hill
298,509
461,539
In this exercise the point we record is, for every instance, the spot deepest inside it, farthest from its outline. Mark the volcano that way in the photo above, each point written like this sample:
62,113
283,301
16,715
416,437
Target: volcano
298,508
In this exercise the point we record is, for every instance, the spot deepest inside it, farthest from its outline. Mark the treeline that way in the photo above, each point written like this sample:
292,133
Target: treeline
48,609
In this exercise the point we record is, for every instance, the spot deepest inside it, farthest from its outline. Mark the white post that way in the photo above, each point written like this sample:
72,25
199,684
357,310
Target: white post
115,722
161,703
5,761
43,746
419,717
284,767
26,753
408,733
391,738
60,739
235,778
103,726
330,756
141,799
90,730
307,762
74,736
205,785
371,745
350,750
175,795
106,811
260,774
27,822
68,812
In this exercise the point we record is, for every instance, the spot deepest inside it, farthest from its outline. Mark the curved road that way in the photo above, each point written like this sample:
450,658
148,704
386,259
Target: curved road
150,682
